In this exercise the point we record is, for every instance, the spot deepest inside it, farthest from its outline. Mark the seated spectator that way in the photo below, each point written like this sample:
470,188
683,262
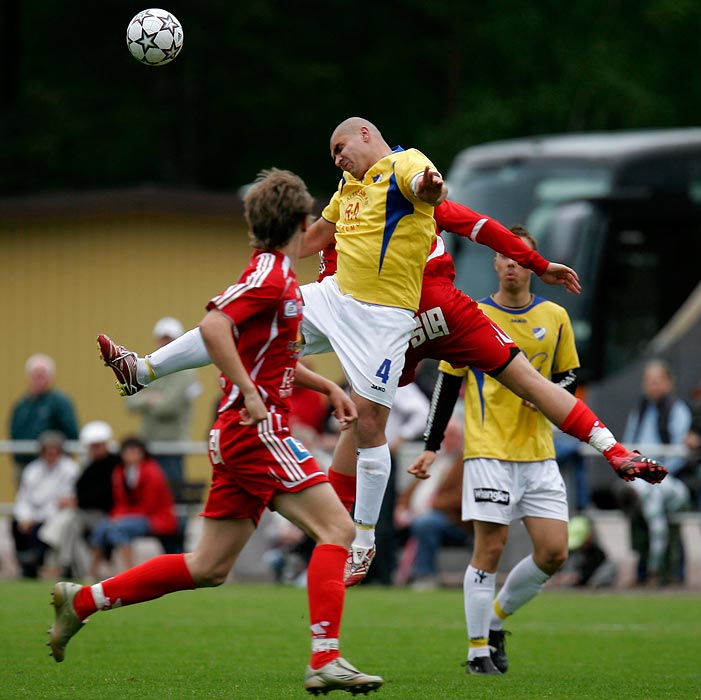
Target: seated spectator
67,532
46,487
657,540
143,506
587,564
662,418
431,512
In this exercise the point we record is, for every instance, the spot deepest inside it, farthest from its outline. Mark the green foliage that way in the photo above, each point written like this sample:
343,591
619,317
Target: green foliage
263,83
252,642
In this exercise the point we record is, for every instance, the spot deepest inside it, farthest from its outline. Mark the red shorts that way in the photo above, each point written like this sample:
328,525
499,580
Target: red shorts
251,464
451,327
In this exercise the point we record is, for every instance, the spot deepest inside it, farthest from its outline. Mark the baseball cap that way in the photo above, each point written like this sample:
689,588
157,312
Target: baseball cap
168,327
94,432
578,529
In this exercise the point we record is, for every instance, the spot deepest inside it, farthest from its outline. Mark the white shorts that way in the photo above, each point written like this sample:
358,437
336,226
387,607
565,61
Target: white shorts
369,340
494,491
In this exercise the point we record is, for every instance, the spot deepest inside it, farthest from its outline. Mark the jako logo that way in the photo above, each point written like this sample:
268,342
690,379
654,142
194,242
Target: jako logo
483,495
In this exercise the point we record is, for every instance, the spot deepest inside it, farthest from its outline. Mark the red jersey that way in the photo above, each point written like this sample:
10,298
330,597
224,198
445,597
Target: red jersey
150,497
265,306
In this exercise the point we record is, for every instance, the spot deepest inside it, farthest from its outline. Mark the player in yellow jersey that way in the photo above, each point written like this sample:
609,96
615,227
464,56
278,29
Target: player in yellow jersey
382,219
510,469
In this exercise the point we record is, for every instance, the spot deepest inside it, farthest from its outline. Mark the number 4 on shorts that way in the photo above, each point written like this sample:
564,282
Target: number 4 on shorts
384,370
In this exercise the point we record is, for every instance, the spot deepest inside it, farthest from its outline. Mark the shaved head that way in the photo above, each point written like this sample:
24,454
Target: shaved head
353,125
356,145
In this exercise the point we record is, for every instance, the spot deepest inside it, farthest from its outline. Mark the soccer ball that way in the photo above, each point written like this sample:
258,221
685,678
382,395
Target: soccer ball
154,37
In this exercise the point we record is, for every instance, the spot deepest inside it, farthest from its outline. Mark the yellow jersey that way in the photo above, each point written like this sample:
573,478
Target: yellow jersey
497,424
384,232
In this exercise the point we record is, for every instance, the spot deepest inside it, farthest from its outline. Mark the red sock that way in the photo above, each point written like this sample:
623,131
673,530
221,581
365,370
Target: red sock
344,486
326,594
152,579
582,423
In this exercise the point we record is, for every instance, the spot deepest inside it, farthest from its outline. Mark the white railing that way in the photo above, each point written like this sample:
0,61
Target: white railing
190,447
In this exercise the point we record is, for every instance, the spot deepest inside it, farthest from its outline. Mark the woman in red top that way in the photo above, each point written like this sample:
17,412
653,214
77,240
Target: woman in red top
143,506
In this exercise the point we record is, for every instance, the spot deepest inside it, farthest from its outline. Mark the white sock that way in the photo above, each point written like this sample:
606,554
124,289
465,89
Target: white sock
186,352
372,477
523,583
478,587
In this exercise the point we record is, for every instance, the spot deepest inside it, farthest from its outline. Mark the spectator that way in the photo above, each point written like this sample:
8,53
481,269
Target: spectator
663,419
430,511
66,533
143,506
46,487
41,409
587,564
166,407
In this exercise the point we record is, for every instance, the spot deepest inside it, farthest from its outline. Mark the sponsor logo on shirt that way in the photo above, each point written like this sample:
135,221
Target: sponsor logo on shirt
486,495
290,310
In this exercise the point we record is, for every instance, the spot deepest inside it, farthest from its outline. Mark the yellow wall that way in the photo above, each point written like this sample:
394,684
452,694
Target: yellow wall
65,278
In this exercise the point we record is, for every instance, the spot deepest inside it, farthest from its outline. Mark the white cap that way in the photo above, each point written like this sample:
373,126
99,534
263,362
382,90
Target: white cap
94,432
168,327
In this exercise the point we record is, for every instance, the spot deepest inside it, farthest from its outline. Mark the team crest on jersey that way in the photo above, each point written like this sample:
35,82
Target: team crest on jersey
291,309
539,332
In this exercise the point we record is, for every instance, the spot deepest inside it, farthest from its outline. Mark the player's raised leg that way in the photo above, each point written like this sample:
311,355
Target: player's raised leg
133,373
575,418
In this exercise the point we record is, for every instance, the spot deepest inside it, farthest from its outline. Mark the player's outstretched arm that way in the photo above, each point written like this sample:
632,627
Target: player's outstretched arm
319,235
215,328
559,274
344,409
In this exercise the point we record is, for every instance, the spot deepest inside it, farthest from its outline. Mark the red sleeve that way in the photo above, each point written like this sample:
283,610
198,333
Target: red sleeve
458,219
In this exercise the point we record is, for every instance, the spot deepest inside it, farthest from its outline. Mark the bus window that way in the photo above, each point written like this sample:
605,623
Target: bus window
650,267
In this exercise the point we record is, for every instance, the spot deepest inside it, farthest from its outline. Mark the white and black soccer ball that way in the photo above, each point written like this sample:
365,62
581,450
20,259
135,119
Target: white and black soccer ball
154,37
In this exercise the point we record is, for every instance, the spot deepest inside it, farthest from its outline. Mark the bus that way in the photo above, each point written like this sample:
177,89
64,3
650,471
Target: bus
622,208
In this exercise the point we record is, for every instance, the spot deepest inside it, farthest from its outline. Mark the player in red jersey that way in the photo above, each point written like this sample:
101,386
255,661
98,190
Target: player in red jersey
251,332
450,326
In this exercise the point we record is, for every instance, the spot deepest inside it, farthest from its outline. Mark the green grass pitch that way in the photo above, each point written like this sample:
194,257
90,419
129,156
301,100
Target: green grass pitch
247,641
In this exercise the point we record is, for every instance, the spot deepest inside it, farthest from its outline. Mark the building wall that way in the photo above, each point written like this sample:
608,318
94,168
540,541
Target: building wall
69,274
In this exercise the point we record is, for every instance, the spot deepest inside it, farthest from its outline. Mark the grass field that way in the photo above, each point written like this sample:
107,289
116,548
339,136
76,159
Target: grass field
246,641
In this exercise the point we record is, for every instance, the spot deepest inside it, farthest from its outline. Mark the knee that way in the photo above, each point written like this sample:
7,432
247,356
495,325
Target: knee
204,574
551,561
487,555
341,533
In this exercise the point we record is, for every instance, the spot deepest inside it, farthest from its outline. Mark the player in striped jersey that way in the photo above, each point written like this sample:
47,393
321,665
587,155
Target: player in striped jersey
251,332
